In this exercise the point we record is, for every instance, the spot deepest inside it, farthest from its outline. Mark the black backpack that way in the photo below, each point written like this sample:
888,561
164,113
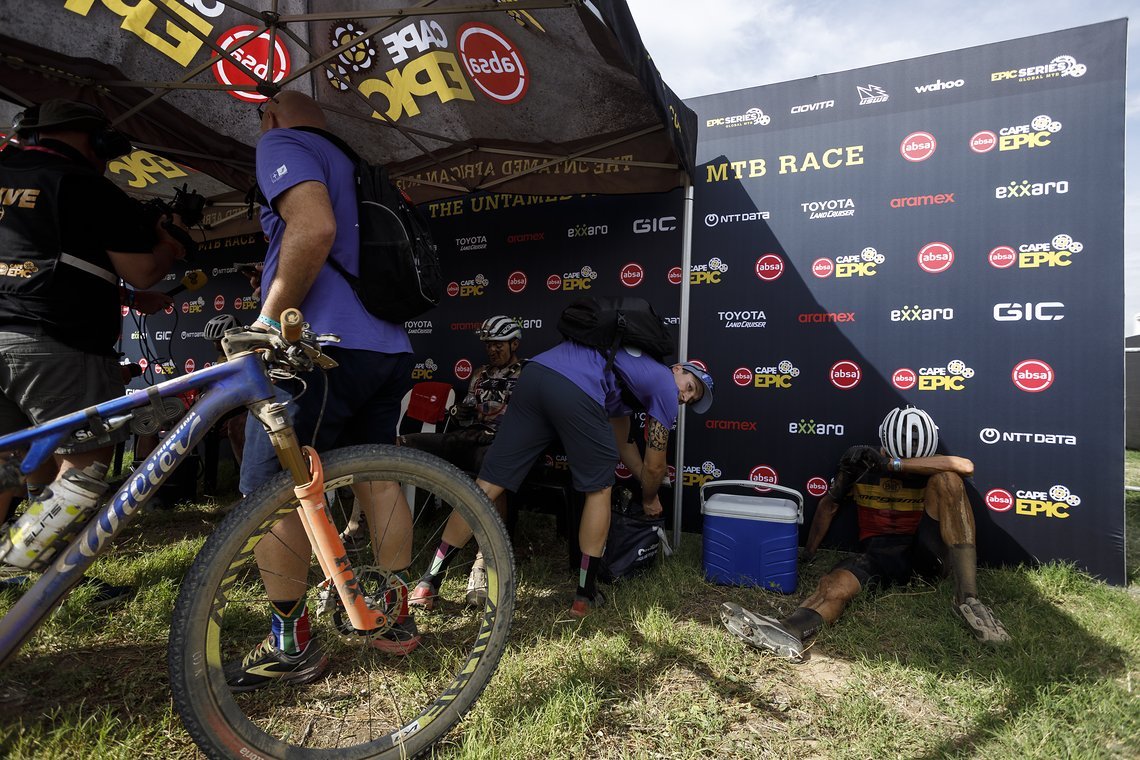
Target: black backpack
607,323
400,276
634,540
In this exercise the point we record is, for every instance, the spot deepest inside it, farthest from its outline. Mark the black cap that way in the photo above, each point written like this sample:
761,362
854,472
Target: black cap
58,113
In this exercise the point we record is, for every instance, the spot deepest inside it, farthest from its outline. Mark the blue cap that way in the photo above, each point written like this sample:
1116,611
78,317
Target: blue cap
701,405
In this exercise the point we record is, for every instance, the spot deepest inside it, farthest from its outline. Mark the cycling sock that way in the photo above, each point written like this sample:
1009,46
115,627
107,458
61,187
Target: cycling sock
439,564
803,623
964,561
290,625
588,577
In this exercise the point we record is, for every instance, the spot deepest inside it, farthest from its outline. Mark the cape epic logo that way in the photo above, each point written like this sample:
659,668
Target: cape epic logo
1056,502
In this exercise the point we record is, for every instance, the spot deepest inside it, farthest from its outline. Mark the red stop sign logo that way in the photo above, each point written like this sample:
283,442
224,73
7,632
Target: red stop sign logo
492,62
1033,375
1003,257
632,275
769,267
904,378
822,268
553,282
516,282
253,55
817,486
999,500
845,374
675,276
463,369
762,473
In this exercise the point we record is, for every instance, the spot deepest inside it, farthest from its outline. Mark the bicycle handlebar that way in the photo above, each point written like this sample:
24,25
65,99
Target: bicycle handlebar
294,348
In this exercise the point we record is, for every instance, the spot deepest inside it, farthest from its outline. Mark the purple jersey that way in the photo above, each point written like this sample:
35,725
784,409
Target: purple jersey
286,158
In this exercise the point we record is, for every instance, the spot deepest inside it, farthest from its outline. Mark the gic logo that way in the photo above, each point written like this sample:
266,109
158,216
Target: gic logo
707,274
1056,253
516,281
952,377
468,288
1045,311
845,374
860,264
779,376
580,280
692,475
816,486
1061,66
763,473
769,267
918,146
935,258
1056,502
425,370
462,369
492,62
253,56
632,275
1036,134
1032,375
657,224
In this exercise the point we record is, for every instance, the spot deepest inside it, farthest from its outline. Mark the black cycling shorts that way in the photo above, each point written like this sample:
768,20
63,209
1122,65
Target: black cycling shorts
886,561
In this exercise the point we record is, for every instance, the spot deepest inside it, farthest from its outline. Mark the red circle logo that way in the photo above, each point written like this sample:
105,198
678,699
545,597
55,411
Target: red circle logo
219,302
762,473
904,379
699,363
918,146
817,486
822,268
492,62
516,282
1032,375
742,377
169,308
124,310
632,275
623,472
845,374
769,267
463,369
553,282
675,276
143,363
189,366
253,55
453,289
999,500
935,258
1003,257
983,142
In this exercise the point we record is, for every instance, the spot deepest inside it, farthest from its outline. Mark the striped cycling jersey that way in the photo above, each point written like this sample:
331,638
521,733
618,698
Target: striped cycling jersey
889,505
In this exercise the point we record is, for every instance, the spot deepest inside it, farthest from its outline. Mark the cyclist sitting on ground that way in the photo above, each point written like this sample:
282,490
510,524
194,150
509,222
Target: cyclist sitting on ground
914,519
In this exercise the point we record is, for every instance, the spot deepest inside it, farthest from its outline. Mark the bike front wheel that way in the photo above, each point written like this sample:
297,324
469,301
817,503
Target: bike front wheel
368,703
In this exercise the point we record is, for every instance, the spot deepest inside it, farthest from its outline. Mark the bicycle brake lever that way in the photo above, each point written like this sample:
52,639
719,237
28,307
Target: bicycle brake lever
327,338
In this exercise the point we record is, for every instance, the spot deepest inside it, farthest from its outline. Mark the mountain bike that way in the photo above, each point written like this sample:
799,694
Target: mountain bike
368,704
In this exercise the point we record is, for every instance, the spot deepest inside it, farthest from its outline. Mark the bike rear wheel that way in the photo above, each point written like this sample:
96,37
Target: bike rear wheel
368,704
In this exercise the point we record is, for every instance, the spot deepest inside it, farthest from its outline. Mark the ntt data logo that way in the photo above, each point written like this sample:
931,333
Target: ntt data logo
712,220
991,436
845,374
935,258
1058,252
1061,66
918,146
1056,502
1032,376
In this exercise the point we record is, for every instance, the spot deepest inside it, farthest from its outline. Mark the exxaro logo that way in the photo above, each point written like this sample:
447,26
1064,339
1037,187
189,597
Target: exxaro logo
918,313
707,274
698,475
811,427
1036,134
938,85
1056,502
588,230
712,220
829,209
779,376
1044,311
871,93
750,118
1057,252
952,377
1027,189
1061,66
746,319
425,370
990,436
862,264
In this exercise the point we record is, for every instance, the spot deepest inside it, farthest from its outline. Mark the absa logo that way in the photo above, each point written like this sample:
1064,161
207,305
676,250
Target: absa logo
675,276
845,374
453,289
554,282
817,486
999,500
742,376
935,258
463,369
762,473
1032,375
189,365
516,282
1003,257
254,56
219,302
983,142
918,146
769,267
822,268
492,62
904,378
632,275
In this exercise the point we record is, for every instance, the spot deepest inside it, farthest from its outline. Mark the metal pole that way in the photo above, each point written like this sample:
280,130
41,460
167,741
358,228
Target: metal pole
683,352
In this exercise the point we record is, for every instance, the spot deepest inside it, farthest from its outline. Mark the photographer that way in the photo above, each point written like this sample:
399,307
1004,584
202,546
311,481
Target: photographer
67,237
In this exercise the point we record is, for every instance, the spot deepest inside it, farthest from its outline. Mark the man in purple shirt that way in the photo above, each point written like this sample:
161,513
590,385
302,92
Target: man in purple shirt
569,393
310,216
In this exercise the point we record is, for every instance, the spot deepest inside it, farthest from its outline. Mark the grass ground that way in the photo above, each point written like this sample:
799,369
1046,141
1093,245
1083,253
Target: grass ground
655,674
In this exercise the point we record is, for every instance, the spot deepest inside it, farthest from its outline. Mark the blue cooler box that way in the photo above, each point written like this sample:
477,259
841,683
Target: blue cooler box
752,540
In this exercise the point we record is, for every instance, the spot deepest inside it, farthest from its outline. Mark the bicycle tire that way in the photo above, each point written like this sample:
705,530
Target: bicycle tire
422,704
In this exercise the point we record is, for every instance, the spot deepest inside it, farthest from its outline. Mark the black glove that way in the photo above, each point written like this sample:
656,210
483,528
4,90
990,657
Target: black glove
859,460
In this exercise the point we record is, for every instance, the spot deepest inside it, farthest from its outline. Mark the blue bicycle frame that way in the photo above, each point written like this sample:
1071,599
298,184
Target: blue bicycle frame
239,382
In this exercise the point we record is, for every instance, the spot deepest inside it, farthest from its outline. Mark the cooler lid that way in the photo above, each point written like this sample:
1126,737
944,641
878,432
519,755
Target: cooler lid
766,508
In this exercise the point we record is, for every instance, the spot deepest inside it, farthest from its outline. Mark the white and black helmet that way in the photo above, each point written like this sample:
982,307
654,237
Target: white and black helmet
908,433
499,328
217,326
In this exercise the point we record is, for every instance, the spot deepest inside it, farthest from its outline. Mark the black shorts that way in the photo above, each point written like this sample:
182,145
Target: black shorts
886,561
465,448
546,407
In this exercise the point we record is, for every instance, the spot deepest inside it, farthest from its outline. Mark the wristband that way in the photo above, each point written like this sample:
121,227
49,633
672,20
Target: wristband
269,321
896,465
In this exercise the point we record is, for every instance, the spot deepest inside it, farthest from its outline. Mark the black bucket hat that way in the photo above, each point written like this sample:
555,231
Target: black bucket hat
57,113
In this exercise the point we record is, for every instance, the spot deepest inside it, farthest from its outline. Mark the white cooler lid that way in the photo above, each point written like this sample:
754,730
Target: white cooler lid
766,508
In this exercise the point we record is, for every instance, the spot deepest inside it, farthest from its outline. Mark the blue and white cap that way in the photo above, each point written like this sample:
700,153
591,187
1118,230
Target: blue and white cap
701,405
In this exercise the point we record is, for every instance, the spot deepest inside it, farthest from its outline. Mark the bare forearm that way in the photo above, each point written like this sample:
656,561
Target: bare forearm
824,514
936,464
298,265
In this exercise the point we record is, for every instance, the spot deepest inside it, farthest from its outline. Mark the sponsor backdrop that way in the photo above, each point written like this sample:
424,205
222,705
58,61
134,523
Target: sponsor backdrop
945,232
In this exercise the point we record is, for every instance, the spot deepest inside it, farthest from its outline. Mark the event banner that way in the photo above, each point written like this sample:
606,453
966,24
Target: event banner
945,232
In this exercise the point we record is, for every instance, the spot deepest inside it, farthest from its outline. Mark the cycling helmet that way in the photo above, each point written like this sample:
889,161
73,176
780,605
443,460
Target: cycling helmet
908,433
499,328
217,326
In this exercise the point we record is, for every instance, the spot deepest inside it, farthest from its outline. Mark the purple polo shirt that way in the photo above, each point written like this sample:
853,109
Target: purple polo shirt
286,158
648,380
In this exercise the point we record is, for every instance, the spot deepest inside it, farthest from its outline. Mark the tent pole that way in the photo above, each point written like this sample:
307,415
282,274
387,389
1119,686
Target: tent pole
683,353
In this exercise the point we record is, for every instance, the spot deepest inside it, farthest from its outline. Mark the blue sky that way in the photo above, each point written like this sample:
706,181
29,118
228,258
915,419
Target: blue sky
720,45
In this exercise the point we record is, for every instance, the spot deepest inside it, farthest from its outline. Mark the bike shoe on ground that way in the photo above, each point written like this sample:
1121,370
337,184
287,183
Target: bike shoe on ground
105,595
583,606
267,664
401,638
981,621
761,632
477,584
423,596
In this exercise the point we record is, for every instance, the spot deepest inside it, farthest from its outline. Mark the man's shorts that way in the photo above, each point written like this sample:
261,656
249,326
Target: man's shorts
465,448
886,561
546,407
41,379
362,405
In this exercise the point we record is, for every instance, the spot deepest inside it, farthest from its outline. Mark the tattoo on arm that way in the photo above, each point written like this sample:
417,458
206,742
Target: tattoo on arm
658,438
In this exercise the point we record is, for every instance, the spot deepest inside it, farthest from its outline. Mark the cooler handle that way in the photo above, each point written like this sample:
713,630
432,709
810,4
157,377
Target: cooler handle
796,495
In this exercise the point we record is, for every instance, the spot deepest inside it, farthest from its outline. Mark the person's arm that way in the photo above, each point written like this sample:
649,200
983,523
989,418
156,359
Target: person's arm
310,229
654,469
824,514
146,301
627,450
934,465
142,271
